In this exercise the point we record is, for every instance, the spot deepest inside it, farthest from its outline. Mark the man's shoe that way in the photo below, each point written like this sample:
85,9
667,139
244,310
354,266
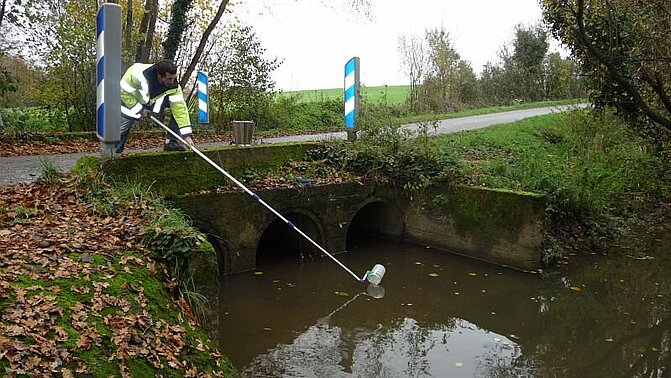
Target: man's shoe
173,146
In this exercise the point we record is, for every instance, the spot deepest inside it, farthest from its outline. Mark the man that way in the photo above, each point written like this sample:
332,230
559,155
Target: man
147,89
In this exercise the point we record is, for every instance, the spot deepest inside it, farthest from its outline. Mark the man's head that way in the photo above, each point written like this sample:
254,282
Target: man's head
167,72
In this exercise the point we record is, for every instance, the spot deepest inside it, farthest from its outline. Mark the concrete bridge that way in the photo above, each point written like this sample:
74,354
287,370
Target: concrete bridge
502,227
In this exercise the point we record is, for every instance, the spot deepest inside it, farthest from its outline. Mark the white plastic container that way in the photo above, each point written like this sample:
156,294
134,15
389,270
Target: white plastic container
375,275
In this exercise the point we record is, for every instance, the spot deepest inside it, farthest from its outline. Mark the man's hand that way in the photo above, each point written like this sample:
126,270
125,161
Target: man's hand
188,140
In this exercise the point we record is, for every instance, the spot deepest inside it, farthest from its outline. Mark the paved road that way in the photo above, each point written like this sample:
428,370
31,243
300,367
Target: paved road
27,168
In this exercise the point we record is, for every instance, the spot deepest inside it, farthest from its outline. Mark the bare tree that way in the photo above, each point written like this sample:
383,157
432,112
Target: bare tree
413,64
203,42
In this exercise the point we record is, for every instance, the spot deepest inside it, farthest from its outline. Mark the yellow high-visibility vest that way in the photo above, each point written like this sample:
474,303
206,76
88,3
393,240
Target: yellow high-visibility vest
140,89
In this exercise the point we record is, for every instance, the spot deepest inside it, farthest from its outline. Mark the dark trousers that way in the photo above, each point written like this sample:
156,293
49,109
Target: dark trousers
127,124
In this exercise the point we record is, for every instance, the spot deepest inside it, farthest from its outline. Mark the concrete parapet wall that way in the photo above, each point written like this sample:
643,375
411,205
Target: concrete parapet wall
184,172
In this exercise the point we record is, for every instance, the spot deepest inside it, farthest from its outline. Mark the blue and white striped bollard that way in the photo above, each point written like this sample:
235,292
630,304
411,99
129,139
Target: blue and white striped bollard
108,76
203,100
351,93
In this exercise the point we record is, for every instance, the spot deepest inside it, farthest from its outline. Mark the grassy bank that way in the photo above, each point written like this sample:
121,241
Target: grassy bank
90,283
600,178
393,94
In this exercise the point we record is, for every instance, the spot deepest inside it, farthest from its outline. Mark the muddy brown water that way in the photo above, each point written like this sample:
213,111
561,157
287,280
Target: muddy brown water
447,316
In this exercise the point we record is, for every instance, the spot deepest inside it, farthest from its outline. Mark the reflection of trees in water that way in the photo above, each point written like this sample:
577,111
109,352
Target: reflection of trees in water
653,358
405,348
618,325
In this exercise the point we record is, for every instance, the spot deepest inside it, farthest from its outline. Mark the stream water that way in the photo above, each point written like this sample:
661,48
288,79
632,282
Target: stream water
447,316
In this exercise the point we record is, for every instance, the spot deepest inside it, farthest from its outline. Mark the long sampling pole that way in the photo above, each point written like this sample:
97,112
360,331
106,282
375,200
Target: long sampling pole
262,202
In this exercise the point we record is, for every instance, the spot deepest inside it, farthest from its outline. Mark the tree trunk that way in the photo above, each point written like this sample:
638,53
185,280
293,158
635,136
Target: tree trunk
2,11
149,42
203,42
180,8
147,28
129,28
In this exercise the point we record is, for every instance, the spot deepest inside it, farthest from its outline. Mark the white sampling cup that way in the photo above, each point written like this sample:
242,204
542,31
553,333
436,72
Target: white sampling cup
375,275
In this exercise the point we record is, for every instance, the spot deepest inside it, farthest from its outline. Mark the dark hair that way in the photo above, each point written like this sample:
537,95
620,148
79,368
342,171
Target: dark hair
165,66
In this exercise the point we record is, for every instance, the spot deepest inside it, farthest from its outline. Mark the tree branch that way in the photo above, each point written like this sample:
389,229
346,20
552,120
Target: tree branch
614,73
203,41
658,87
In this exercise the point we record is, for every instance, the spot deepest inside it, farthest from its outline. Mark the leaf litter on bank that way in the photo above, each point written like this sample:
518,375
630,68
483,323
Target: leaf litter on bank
67,290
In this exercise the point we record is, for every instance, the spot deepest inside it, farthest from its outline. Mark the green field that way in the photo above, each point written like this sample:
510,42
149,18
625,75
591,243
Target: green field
395,94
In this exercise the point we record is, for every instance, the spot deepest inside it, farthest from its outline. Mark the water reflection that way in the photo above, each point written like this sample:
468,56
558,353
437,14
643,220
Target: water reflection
442,315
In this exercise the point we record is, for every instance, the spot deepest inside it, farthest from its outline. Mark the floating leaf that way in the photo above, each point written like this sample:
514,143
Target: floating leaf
610,339
435,266
433,274
459,364
342,293
497,339
472,274
457,293
576,288
267,329
258,273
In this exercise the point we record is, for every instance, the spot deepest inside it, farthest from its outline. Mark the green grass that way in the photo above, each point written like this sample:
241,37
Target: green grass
586,164
394,94
397,94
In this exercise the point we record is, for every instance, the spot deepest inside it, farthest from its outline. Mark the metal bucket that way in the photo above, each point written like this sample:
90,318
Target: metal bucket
242,132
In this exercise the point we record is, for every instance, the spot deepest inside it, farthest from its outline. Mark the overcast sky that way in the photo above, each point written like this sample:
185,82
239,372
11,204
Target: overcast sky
315,41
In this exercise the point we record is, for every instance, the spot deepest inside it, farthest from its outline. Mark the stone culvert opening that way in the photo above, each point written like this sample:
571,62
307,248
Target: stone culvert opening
280,243
375,221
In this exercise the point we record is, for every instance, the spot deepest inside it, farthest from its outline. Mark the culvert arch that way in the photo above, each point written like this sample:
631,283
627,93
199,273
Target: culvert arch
375,219
280,242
